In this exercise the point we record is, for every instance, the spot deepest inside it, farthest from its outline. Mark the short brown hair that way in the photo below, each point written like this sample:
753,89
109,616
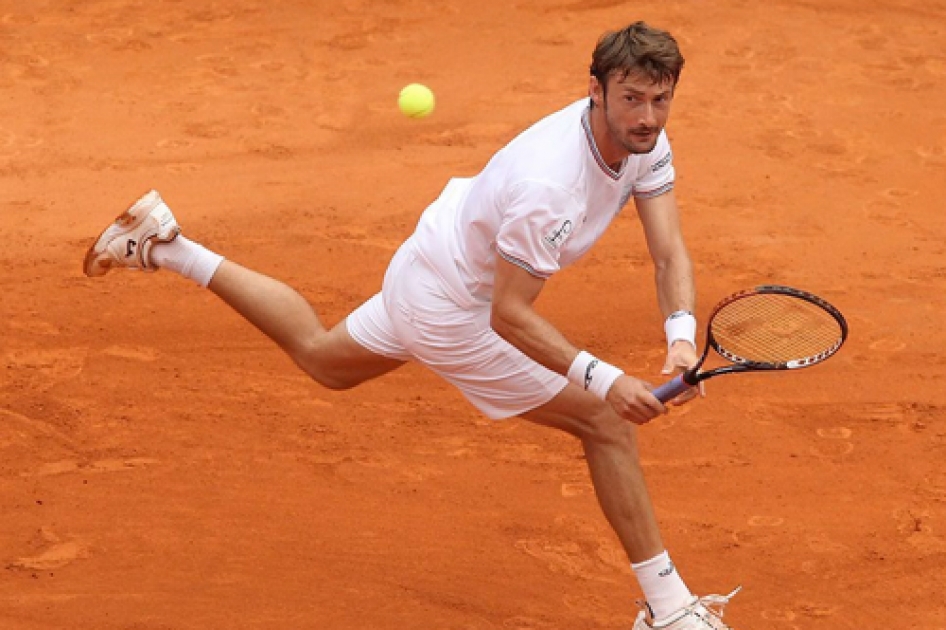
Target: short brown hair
638,48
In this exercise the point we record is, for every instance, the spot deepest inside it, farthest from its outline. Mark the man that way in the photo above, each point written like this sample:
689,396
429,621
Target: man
458,295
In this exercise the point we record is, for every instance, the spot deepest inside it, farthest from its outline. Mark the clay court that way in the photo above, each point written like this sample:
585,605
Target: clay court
163,466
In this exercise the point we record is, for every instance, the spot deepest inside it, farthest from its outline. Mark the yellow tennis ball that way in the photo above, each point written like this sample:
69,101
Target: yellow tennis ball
416,100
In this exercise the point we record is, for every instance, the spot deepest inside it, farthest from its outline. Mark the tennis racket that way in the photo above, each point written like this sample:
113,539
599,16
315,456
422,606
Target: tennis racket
769,327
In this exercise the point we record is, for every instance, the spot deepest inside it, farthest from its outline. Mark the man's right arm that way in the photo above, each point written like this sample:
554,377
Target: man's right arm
515,319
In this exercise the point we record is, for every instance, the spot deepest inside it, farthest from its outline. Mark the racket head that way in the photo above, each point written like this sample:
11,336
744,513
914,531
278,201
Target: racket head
775,327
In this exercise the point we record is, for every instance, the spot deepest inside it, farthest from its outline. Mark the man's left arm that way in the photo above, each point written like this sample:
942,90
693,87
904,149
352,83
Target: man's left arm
676,290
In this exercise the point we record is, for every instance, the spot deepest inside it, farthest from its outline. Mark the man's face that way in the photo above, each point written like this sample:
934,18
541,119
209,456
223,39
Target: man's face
635,109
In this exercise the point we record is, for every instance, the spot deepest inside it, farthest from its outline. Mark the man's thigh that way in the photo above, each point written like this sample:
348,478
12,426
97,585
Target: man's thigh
357,349
575,411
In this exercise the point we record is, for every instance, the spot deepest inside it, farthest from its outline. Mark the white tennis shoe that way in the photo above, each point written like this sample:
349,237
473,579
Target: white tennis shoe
702,613
128,240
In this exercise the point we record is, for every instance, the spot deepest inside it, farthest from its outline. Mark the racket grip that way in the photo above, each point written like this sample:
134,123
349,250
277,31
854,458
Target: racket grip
671,389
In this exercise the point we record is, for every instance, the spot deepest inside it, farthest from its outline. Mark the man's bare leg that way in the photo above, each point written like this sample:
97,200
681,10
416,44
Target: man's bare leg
147,237
610,446
331,357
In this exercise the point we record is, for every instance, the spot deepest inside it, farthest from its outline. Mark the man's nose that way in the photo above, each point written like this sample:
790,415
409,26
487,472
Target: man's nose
648,116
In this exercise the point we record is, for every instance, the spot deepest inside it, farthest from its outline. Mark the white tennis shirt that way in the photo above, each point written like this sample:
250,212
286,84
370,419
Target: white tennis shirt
541,202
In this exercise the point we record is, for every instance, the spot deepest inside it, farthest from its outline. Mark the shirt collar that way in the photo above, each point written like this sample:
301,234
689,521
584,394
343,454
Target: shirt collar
586,124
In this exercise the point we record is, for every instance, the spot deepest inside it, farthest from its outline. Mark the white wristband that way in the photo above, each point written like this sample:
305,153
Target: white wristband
680,325
592,374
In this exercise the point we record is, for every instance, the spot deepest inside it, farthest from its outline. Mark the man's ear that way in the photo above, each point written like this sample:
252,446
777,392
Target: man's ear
596,91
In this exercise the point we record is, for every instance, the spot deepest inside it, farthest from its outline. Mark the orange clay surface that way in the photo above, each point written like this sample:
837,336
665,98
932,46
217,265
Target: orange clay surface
163,466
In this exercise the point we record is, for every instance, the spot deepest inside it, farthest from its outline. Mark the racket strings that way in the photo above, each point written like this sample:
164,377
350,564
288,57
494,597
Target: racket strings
775,328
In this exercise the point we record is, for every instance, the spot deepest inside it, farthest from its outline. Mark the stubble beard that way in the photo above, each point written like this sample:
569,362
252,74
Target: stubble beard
629,145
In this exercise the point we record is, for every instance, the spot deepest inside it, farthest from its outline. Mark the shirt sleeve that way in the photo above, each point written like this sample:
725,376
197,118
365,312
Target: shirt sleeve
538,220
655,174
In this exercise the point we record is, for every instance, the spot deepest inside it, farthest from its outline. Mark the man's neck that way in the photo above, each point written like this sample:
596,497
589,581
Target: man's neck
612,153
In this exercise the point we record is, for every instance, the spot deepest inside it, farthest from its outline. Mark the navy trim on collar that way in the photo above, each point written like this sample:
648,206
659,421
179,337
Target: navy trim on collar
586,124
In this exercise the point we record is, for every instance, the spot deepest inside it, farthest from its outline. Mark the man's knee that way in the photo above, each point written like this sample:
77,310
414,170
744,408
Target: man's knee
600,427
592,421
335,361
609,429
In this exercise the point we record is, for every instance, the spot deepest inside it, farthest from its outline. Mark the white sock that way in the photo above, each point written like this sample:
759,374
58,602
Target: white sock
184,256
663,587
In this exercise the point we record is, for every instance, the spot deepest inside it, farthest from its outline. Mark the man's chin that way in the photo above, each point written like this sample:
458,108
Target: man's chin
641,148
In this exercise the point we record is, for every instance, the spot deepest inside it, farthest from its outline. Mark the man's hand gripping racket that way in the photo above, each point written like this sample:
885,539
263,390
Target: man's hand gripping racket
769,327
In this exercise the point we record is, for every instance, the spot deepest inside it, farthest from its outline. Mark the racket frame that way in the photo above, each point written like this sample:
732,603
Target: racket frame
692,377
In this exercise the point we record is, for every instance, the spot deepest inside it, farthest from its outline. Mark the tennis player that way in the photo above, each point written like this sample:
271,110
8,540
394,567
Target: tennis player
458,294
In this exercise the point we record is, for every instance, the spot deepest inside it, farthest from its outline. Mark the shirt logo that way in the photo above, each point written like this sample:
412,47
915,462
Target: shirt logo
557,238
662,162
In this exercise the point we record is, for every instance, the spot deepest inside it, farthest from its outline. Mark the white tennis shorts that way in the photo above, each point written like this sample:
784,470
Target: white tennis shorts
412,318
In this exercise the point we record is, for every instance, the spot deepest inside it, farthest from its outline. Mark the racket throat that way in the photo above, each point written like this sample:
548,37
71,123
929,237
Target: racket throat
691,377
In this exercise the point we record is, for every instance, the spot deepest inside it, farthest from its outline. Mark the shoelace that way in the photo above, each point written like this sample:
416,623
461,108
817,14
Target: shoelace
715,604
